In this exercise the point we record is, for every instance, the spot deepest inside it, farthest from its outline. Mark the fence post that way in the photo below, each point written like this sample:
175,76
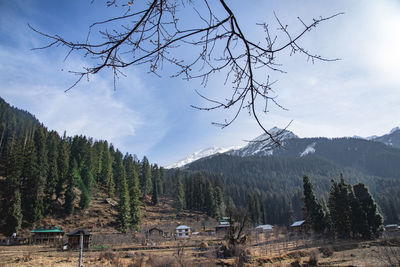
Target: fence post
80,249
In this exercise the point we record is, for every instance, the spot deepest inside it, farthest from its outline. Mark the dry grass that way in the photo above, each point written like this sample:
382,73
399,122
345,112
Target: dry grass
133,249
363,254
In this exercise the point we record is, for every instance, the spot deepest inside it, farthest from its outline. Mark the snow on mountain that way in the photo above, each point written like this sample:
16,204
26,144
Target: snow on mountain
263,145
395,129
309,150
200,154
390,139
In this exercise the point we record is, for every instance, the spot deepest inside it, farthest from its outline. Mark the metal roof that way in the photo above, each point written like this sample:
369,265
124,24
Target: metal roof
297,223
55,229
79,231
265,227
183,227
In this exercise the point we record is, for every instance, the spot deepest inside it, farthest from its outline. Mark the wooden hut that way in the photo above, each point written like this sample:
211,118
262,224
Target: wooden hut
155,232
51,234
74,239
301,226
222,227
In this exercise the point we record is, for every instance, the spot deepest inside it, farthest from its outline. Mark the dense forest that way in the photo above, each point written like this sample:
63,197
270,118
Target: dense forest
271,186
43,173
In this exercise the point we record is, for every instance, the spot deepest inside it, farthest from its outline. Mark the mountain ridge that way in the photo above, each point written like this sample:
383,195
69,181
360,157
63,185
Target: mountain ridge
263,145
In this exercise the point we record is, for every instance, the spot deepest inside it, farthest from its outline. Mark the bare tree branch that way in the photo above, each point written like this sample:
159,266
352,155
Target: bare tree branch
149,33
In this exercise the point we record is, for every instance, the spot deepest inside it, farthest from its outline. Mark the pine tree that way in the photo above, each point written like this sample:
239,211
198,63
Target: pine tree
145,176
85,184
124,212
368,205
340,209
31,183
219,201
13,208
88,179
160,184
14,213
155,177
73,177
118,169
179,202
211,207
134,191
62,165
52,175
42,168
359,223
313,209
84,197
105,165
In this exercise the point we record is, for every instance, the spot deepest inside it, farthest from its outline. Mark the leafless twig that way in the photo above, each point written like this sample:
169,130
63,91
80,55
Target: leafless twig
147,34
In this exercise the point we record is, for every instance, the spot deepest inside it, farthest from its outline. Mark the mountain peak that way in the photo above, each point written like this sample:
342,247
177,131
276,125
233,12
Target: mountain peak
277,133
395,129
206,152
262,144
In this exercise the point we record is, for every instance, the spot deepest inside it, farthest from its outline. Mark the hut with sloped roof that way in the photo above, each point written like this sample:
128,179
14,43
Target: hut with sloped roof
47,234
74,239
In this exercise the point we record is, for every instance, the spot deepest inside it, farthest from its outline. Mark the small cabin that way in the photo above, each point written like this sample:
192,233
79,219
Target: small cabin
155,232
51,234
265,228
392,227
223,227
74,239
300,226
183,231
209,232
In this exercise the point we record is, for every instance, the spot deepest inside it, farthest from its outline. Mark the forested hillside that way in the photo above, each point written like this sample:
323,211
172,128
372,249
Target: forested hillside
44,174
271,186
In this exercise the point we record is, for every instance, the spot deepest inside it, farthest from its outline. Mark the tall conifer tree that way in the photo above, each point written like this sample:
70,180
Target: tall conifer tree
145,176
313,209
72,178
124,212
13,207
370,208
62,165
134,191
179,202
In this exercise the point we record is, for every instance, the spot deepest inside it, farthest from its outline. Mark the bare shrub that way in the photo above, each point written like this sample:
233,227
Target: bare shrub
163,261
27,257
314,257
388,251
327,251
107,255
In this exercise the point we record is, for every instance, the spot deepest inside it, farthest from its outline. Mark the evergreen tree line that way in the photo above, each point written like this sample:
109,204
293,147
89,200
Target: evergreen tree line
48,174
192,191
351,211
270,187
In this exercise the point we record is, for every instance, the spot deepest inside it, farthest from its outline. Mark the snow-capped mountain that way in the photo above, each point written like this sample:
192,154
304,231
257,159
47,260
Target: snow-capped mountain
263,145
200,154
294,146
260,146
390,139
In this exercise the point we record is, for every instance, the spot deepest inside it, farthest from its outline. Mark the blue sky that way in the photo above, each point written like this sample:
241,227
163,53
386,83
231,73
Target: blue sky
149,115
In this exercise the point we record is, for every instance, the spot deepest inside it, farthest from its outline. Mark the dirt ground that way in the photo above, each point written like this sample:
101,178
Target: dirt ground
174,253
110,248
